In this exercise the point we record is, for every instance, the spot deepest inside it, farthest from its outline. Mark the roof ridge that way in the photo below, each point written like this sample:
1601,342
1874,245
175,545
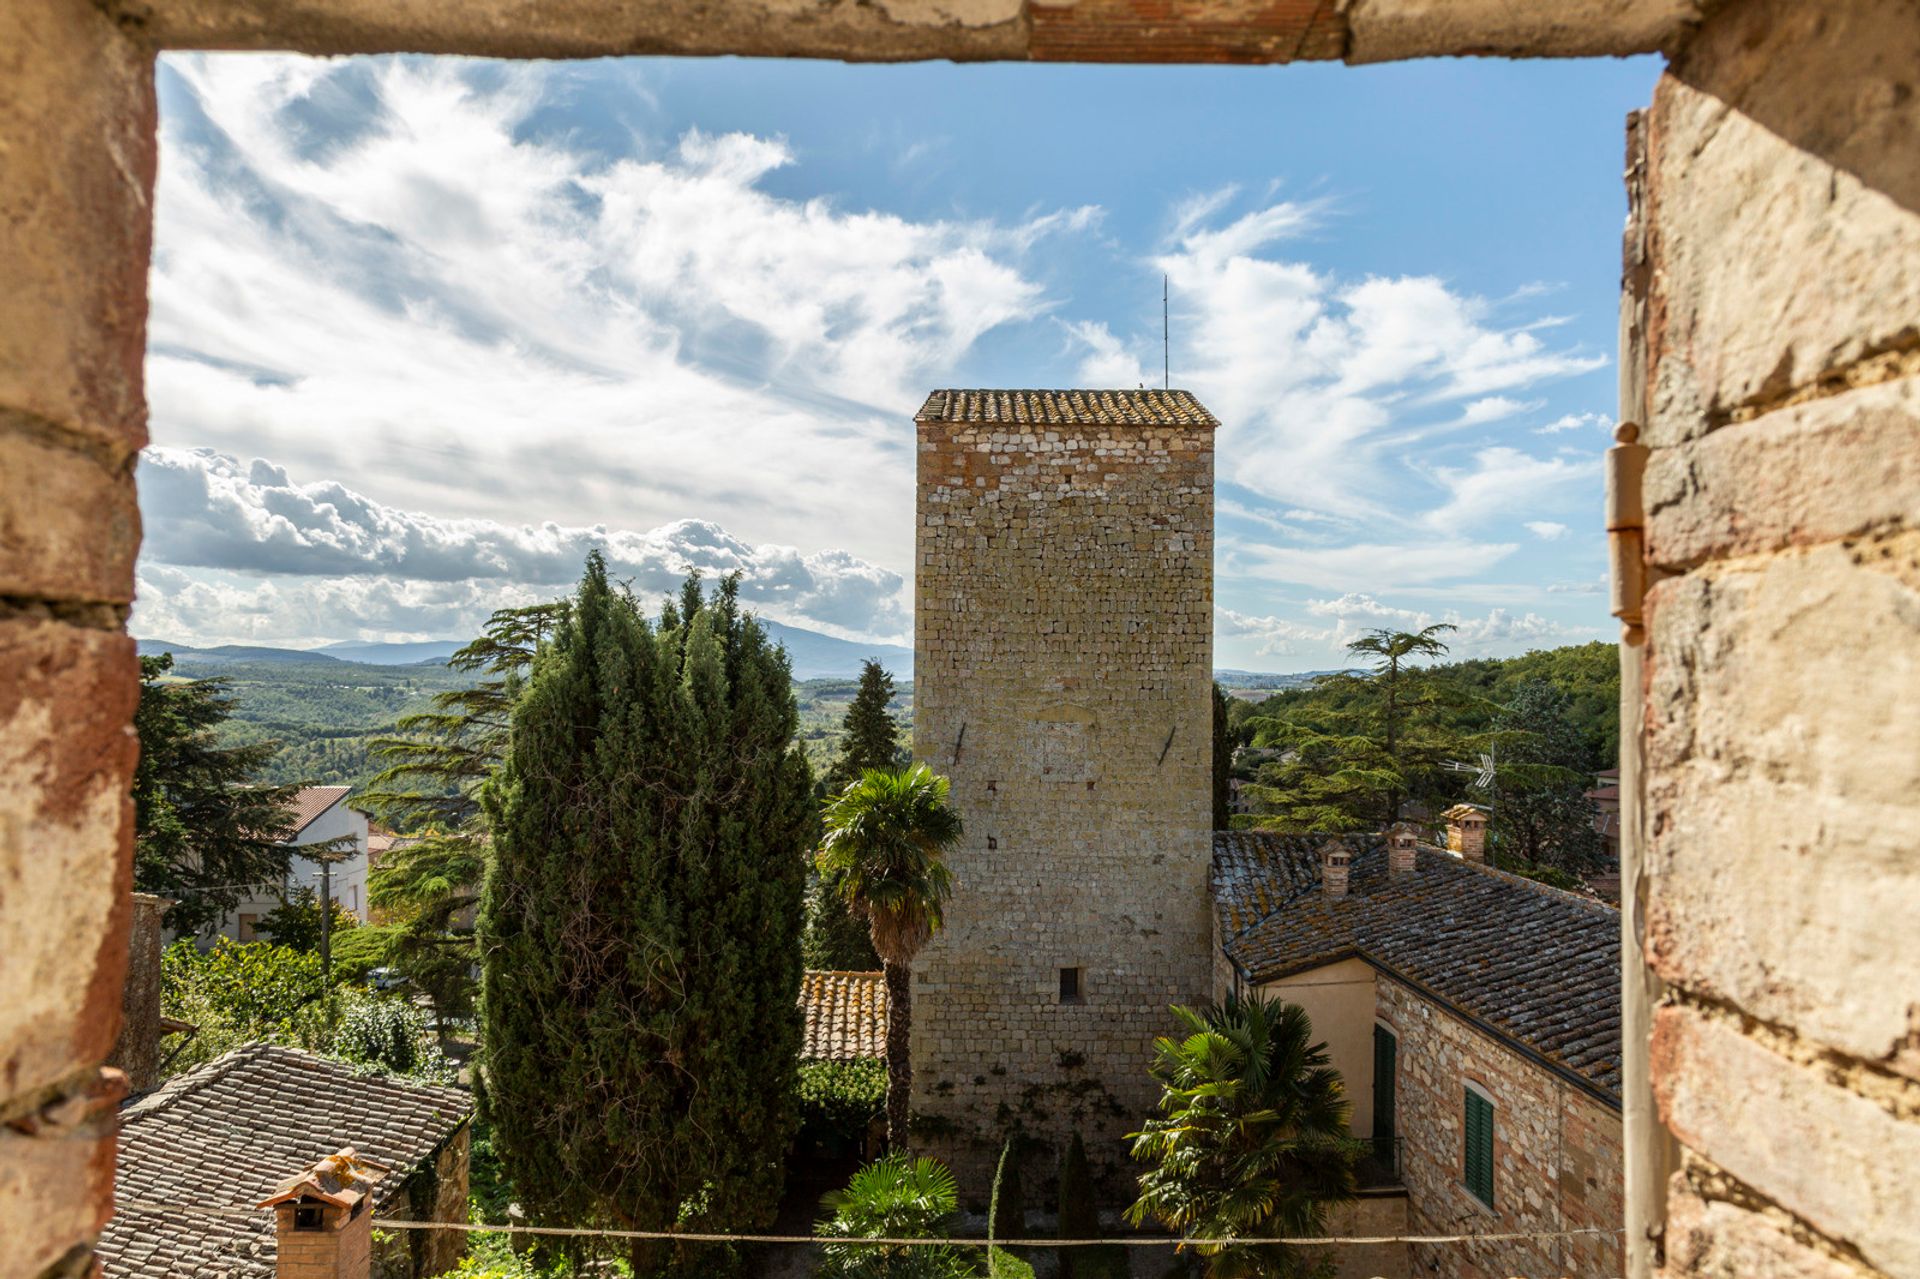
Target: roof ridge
1520,881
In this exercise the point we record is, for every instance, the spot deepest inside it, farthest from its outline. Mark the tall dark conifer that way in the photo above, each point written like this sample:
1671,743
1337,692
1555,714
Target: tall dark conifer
639,927
835,937
206,830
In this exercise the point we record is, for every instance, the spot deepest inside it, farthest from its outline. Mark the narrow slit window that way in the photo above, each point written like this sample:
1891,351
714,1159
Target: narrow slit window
1072,989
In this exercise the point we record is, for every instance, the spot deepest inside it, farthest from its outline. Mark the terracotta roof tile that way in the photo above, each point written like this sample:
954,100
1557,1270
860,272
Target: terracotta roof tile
846,1015
1067,408
311,801
228,1134
1536,965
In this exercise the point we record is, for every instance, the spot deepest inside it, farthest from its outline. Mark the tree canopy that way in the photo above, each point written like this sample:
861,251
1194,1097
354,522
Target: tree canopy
639,924
207,831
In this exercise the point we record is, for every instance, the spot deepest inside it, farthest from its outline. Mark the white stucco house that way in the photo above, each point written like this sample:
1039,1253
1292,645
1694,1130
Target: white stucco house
321,816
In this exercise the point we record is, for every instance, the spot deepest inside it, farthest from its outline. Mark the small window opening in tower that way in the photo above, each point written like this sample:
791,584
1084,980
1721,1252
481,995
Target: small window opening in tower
1072,989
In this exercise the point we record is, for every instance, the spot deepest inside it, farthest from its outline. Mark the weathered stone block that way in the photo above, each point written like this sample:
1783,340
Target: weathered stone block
1383,30
69,521
67,753
56,1172
77,146
1784,199
1710,1239
1839,466
1840,1161
1783,790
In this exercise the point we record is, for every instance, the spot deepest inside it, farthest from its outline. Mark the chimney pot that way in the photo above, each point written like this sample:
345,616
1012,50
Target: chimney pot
1403,842
1336,865
323,1220
1467,832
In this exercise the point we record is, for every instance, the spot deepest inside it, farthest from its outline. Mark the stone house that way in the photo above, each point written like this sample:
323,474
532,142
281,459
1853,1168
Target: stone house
321,816
1475,1018
198,1155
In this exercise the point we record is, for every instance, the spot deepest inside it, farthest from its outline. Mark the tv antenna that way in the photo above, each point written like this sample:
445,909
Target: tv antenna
1166,340
1484,779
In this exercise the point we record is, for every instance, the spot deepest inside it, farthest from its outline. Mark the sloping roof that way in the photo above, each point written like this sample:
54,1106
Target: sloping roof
1533,965
311,801
1067,408
846,1015
229,1134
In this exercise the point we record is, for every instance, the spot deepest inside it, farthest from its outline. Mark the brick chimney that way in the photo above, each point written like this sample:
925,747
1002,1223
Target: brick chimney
1403,841
137,1051
1467,832
1336,864
324,1220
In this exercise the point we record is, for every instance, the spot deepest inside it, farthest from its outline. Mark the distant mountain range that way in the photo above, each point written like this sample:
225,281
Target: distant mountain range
814,656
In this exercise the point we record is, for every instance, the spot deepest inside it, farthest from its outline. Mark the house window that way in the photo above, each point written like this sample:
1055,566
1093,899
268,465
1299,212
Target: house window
247,923
1386,1054
1479,1146
1072,988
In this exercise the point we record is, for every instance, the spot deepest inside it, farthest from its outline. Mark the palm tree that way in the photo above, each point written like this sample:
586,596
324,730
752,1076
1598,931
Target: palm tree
1252,1137
893,1198
884,853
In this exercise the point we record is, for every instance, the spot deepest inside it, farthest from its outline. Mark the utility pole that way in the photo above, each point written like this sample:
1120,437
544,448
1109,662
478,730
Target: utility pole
1166,337
326,923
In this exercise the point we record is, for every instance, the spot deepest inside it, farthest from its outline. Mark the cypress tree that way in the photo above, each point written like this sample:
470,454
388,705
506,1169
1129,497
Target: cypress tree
639,921
872,739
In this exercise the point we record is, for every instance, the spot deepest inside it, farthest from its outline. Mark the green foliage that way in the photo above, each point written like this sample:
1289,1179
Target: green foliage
1222,758
1350,757
1007,1211
1251,1139
388,1035
240,994
837,1102
836,938
893,1198
884,852
1589,676
360,950
1543,820
295,922
206,830
1080,1219
639,925
870,736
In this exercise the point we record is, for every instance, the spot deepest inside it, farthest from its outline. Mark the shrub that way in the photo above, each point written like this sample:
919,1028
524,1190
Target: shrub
1007,1215
838,1100
892,1198
388,1035
359,951
241,994
295,922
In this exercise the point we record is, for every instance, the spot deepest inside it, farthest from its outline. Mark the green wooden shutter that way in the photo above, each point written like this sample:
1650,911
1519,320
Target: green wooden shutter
1385,1058
1479,1146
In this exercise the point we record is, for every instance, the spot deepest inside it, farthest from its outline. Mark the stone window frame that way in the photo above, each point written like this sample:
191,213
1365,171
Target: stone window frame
1060,999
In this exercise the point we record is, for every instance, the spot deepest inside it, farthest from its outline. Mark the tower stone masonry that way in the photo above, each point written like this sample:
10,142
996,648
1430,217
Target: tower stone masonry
1062,680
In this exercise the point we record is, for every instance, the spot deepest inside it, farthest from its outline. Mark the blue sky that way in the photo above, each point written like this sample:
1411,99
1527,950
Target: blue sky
425,330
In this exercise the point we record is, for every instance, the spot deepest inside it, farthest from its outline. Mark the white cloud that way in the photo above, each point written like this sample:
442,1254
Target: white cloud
1368,566
1107,362
1493,408
1574,422
1502,481
209,511
459,313
1497,631
1547,530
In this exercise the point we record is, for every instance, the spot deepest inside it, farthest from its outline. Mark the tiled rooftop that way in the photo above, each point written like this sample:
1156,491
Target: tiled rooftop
1067,408
846,1015
226,1135
1536,965
311,801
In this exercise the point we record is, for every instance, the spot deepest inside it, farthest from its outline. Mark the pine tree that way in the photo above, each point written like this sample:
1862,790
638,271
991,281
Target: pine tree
639,926
206,830
1372,741
1542,816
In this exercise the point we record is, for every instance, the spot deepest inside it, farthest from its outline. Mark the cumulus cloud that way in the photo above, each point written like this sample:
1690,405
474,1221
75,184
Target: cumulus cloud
384,270
1499,630
1547,530
210,511
1575,422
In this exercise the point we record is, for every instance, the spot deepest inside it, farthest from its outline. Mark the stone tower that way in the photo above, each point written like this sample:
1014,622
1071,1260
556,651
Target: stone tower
1063,665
